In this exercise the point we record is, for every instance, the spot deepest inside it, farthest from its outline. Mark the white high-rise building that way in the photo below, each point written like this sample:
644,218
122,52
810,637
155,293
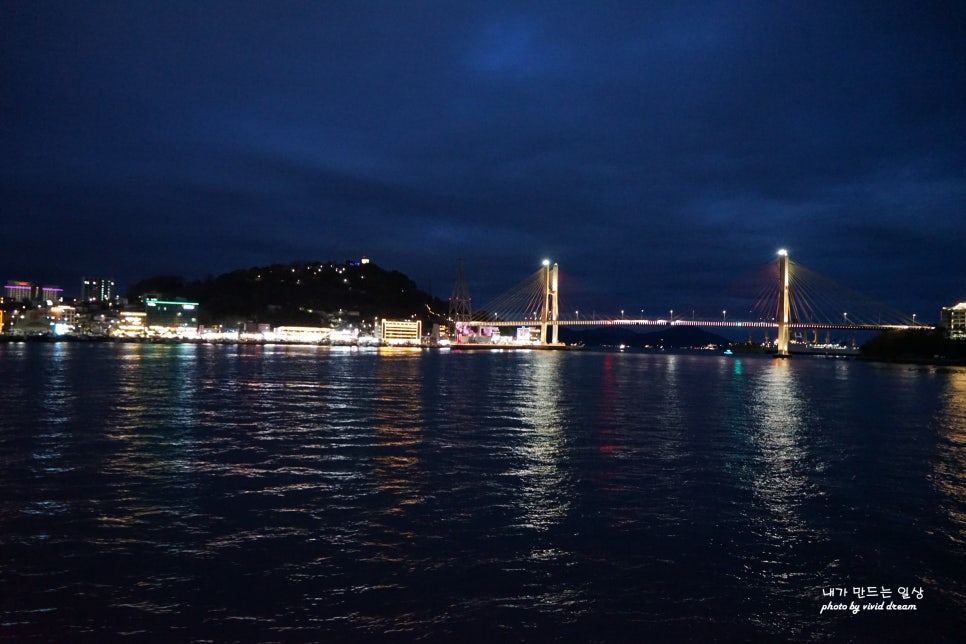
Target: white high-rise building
953,319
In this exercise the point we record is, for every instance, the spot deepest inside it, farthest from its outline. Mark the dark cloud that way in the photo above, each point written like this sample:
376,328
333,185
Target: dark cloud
658,151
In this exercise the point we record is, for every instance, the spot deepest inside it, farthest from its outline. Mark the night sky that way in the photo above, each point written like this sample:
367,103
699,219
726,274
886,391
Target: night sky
659,151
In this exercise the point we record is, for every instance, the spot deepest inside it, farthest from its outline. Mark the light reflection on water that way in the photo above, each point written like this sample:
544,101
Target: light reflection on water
777,416
397,399
544,493
784,481
55,413
949,476
253,492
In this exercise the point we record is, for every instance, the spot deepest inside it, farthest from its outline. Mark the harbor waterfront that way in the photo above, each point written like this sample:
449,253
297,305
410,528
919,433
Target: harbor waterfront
252,493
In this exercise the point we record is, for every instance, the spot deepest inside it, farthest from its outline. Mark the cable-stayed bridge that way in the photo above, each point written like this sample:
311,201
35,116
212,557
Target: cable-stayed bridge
791,298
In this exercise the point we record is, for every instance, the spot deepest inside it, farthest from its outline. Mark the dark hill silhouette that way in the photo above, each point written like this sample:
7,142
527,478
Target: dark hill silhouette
915,345
300,293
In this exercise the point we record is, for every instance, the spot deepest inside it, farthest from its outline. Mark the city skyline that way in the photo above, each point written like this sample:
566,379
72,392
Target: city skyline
658,153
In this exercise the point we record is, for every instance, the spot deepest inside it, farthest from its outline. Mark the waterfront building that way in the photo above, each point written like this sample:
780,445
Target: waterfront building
402,331
41,321
94,319
30,322
97,289
953,319
171,317
16,291
303,334
63,319
51,295
130,324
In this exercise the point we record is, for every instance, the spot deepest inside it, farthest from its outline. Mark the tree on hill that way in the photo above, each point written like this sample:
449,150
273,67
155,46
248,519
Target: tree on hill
164,286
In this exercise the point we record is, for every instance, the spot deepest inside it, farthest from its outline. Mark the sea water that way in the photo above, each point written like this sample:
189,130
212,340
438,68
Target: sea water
182,492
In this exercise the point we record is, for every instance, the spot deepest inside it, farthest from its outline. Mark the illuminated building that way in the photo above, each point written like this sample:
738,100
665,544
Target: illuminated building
18,291
130,324
305,334
51,294
953,319
28,292
174,318
63,319
97,289
402,331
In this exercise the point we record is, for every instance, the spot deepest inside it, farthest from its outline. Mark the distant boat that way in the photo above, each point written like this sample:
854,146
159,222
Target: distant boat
729,352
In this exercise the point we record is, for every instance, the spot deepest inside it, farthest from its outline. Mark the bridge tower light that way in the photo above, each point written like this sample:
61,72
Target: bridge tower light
784,313
554,287
549,313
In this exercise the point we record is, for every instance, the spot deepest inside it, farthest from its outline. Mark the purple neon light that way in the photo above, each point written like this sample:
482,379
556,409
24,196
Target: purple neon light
27,288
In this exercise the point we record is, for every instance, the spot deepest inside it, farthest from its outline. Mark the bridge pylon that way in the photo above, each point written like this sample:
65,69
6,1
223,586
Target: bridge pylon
783,304
460,304
549,311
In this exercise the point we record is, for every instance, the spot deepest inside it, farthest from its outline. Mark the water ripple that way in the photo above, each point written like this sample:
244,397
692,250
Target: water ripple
295,493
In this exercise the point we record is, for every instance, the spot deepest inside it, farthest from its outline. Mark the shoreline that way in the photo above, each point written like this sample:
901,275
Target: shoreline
916,361
908,359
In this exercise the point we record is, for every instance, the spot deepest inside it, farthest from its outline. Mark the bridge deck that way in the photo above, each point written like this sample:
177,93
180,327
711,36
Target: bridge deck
733,324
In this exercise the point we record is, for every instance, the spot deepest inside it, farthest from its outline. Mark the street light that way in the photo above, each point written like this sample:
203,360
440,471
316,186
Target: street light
845,316
724,315
913,319
577,313
622,314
